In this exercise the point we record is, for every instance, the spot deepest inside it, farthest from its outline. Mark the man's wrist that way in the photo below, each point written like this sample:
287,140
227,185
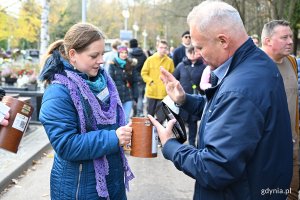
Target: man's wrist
180,103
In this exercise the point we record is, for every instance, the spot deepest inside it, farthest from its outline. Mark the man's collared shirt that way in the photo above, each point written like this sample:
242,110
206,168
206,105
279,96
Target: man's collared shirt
222,69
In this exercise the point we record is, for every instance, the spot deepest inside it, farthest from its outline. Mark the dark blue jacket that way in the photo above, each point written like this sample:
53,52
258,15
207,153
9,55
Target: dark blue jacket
245,140
178,55
138,54
187,74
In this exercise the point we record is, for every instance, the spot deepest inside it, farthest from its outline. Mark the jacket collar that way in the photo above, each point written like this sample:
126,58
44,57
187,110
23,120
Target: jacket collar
239,56
156,55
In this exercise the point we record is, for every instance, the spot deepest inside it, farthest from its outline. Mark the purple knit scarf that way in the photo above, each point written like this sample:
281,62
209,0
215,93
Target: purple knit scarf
78,87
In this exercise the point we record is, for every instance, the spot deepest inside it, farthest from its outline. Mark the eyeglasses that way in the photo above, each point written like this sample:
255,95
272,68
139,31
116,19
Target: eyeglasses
187,37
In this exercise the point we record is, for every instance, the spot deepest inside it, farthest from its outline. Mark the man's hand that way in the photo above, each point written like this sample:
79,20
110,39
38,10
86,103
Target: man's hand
164,133
124,134
173,87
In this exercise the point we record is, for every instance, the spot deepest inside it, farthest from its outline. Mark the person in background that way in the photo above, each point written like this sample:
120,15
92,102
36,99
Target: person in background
84,119
125,43
255,39
180,52
277,42
122,71
189,73
171,52
155,90
245,140
109,56
148,52
137,53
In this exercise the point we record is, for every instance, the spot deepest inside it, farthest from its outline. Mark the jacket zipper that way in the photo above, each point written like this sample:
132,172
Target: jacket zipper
78,184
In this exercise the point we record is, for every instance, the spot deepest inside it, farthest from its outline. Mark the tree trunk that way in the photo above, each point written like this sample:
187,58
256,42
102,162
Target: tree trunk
295,35
44,27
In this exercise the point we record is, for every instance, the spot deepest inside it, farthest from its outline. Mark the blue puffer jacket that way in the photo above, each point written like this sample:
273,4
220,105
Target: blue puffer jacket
73,175
245,141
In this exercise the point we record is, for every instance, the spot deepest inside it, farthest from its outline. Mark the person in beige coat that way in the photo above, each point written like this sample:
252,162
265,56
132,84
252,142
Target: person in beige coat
277,42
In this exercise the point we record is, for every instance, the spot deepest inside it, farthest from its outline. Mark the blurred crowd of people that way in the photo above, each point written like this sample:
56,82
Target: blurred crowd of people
141,89
136,73
238,95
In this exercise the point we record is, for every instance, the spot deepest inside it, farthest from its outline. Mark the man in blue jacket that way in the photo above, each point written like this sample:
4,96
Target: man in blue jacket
245,140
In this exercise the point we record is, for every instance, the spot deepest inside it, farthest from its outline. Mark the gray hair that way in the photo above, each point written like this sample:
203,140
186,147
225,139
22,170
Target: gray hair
268,29
210,15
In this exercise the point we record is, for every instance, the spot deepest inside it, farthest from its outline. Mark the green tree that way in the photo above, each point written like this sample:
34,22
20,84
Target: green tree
7,24
29,24
63,14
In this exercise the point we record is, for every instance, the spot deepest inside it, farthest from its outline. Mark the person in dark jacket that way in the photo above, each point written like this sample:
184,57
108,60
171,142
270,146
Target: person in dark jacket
245,148
122,71
180,52
137,53
189,73
84,119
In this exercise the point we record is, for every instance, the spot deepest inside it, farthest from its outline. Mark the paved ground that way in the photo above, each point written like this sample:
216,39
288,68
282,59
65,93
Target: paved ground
33,184
156,178
33,144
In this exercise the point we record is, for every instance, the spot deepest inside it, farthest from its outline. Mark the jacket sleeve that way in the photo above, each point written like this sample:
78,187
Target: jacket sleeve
175,58
145,72
229,138
60,120
176,72
194,104
172,68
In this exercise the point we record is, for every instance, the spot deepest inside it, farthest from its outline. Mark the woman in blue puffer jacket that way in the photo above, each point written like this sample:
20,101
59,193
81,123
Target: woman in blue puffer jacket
84,119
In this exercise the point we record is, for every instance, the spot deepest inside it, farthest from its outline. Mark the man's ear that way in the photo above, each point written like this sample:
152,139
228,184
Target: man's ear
266,41
224,40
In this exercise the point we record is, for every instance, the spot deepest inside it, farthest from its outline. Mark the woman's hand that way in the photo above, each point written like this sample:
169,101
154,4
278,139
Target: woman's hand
124,134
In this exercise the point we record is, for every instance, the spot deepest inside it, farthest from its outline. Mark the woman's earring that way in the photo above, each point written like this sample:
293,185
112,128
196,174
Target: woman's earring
75,64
